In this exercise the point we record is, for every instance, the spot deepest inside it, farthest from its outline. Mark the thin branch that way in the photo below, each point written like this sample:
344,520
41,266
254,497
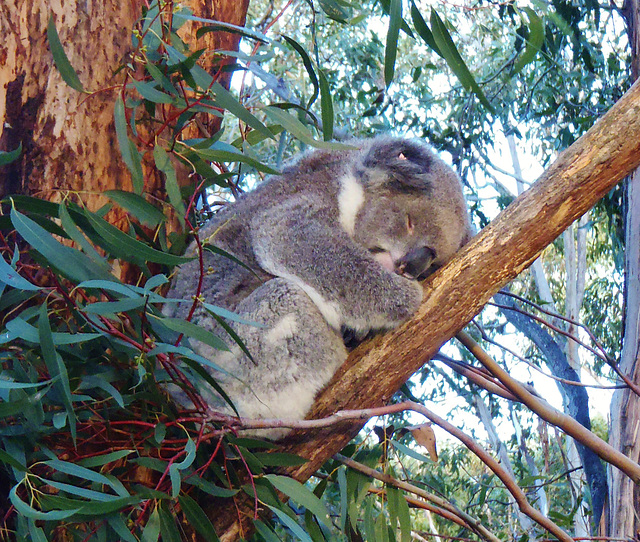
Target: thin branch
470,521
552,415
365,414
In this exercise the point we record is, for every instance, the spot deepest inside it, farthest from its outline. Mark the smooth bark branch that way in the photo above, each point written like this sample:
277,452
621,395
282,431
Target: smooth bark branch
580,176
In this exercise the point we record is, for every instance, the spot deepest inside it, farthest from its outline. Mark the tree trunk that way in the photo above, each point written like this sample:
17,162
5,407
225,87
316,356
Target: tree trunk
624,505
581,175
68,138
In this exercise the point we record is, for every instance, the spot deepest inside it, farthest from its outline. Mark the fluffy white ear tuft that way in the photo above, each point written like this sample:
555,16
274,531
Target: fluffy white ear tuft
350,201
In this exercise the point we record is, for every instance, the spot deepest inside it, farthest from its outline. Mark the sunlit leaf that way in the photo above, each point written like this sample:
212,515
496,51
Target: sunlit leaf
226,100
454,60
10,276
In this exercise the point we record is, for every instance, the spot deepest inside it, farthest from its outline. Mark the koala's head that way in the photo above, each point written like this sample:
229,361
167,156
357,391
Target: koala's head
413,216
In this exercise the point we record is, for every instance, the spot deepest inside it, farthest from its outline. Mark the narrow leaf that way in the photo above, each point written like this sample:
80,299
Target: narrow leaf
151,531
197,518
454,60
195,331
533,43
6,157
423,29
128,151
29,512
291,524
73,263
308,64
391,48
120,240
60,59
292,125
302,495
148,91
226,100
139,207
168,529
326,103
10,276
218,155
163,163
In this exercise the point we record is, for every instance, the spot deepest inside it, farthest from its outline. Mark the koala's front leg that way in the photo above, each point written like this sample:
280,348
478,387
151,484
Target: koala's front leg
347,284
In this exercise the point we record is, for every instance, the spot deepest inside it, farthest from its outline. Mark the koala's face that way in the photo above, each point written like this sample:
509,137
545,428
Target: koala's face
414,217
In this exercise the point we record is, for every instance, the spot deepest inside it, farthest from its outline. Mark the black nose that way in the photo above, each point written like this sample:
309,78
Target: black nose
416,262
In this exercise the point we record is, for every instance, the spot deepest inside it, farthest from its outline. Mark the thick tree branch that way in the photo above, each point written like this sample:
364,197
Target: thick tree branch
581,175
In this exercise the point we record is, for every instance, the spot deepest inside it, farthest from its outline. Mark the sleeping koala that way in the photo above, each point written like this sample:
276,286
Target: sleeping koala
335,244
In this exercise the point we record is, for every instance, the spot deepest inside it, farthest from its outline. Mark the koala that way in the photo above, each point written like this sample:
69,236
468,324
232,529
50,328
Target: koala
332,248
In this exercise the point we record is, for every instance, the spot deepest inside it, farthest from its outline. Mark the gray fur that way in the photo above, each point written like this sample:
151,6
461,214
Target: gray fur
335,241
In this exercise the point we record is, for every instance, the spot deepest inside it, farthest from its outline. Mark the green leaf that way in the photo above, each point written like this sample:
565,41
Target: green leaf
291,524
197,518
10,460
74,233
139,207
533,43
292,125
168,528
60,59
219,25
10,156
408,451
106,308
334,10
219,155
10,276
19,328
302,495
37,534
279,459
73,263
130,246
128,150
90,494
151,531
101,460
454,60
265,532
326,103
423,29
29,512
308,64
226,100
391,48
120,527
148,91
56,367
197,332
163,163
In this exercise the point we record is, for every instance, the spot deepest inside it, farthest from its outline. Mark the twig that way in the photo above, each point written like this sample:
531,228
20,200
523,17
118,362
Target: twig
472,523
365,414
552,415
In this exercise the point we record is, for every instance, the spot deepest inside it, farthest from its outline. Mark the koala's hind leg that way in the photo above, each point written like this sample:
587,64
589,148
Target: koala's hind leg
296,353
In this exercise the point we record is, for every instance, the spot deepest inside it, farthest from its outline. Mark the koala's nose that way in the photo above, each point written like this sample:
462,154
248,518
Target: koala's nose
416,262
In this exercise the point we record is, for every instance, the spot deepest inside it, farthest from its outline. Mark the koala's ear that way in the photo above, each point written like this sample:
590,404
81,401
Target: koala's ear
400,163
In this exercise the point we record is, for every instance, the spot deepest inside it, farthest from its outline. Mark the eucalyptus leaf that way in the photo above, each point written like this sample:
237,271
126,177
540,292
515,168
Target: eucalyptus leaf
60,58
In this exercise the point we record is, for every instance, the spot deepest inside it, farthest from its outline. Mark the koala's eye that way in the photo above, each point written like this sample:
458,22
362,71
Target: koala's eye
410,225
376,250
